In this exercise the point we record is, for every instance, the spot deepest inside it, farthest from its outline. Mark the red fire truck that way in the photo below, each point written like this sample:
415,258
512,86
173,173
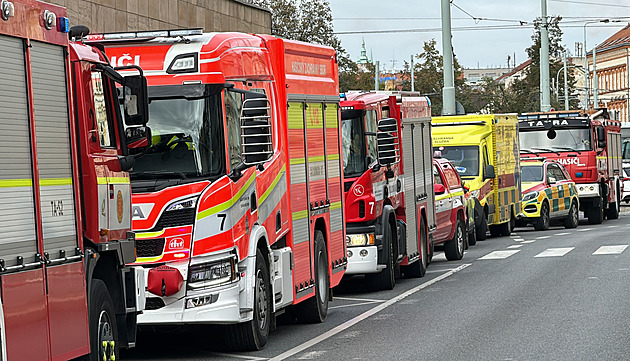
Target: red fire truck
588,144
238,201
388,224
65,197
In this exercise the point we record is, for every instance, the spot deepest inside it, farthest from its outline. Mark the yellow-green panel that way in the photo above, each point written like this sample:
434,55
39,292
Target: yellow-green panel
296,115
314,116
332,115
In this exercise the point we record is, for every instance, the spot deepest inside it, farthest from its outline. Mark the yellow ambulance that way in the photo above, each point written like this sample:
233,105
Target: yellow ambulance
484,149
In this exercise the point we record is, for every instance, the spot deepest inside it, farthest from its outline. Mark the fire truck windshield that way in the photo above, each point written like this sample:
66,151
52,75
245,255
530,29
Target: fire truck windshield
464,158
576,139
185,137
355,160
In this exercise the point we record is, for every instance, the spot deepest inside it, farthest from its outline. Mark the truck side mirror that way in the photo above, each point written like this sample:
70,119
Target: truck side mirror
256,141
488,172
601,137
387,142
134,97
438,189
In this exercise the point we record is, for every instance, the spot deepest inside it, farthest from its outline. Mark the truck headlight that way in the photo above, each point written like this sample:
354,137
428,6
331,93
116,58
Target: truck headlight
183,204
359,240
529,196
212,274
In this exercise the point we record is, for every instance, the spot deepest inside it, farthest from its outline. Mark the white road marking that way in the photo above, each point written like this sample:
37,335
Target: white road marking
519,239
530,241
514,235
515,246
554,252
543,237
357,299
613,226
610,249
344,326
500,254
311,355
244,357
585,229
562,234
440,270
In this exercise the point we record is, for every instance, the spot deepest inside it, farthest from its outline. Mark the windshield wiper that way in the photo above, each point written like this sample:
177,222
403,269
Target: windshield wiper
567,148
546,150
160,174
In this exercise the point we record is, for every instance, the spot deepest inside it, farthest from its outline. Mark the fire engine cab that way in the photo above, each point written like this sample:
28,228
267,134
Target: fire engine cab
238,200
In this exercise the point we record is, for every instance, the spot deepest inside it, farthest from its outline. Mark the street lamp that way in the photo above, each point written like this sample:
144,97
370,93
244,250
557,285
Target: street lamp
586,80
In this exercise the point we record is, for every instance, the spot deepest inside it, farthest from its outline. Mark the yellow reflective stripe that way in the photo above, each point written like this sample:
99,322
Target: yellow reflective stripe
225,205
317,158
335,205
273,184
46,182
300,215
460,193
112,180
15,183
440,197
294,161
333,157
145,235
148,259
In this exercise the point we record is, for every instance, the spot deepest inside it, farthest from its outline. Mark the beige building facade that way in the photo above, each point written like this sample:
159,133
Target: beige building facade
128,15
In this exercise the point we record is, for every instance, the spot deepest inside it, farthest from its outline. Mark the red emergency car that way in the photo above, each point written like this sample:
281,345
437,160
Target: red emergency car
450,209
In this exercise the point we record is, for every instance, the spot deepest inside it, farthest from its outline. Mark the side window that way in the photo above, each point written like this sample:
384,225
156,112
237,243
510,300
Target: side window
551,174
371,126
102,114
233,103
437,178
558,173
485,158
451,178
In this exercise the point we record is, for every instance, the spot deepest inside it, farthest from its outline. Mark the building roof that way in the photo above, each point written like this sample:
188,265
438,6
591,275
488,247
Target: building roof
620,38
520,67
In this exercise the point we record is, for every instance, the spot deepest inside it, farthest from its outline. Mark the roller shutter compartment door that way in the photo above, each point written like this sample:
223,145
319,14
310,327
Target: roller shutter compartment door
17,208
53,149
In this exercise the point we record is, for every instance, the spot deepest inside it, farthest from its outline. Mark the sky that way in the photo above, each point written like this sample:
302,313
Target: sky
473,46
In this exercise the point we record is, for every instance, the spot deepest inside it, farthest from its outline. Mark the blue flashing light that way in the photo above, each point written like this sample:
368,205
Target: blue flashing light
64,24
342,95
578,175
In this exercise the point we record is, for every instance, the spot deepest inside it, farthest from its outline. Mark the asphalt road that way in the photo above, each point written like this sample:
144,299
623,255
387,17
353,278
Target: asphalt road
553,295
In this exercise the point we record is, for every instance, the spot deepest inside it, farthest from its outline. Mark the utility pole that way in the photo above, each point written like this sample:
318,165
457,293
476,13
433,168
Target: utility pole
412,75
566,91
448,92
376,73
545,97
595,85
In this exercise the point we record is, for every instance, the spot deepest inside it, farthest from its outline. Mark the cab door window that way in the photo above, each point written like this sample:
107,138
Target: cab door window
233,103
371,127
437,178
102,113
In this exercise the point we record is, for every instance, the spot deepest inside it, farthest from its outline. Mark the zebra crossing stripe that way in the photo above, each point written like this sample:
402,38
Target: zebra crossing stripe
610,250
554,252
499,254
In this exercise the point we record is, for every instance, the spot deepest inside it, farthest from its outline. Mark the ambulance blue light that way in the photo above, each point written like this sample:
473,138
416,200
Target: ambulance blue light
64,24
579,175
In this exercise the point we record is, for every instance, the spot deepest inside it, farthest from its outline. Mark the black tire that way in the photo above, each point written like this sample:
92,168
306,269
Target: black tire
454,248
542,223
253,335
483,227
386,279
573,219
472,235
520,223
613,208
505,229
103,328
595,214
315,309
419,268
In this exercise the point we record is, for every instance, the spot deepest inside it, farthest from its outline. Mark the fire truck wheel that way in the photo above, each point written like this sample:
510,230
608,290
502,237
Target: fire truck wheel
385,280
103,329
252,335
595,214
454,249
574,218
483,227
315,309
419,268
542,223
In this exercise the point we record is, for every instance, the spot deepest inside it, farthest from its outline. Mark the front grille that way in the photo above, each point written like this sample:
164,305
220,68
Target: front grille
149,247
182,217
361,209
154,303
347,186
